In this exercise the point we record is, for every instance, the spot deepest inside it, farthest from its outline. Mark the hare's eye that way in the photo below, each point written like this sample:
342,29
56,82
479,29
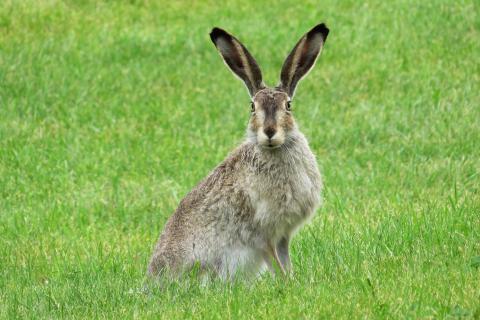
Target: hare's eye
289,106
253,107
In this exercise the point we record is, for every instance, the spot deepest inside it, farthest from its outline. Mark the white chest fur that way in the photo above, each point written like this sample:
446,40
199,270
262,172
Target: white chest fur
287,191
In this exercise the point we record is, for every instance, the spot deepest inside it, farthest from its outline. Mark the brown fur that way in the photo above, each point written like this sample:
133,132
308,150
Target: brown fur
244,213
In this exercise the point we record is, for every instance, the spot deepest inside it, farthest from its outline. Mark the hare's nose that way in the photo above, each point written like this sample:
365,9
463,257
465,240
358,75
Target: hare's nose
270,132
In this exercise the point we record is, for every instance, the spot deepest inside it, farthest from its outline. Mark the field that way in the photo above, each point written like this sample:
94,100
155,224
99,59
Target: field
110,112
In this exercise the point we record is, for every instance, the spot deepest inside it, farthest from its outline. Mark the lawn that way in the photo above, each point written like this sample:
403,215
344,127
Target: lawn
110,112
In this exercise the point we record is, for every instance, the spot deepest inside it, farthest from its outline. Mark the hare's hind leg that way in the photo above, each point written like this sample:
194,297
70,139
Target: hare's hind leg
157,265
168,264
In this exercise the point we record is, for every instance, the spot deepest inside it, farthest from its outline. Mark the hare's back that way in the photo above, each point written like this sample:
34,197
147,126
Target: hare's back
204,218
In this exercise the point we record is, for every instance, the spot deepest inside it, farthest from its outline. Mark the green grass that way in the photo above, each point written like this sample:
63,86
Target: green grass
110,112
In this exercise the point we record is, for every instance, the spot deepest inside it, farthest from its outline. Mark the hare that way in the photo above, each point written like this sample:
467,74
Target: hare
241,218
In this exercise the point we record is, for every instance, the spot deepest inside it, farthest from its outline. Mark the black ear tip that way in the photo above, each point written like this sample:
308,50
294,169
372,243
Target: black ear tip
322,29
217,33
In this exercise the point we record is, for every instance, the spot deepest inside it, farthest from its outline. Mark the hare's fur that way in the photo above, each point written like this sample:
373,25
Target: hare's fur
243,214
251,200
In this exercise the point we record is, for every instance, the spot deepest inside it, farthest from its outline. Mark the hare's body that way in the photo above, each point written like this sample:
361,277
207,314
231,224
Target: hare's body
253,198
243,215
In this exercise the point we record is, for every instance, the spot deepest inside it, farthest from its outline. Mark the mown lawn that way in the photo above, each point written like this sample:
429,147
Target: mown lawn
111,111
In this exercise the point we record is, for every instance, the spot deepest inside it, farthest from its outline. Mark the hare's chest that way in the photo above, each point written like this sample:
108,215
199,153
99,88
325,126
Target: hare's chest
285,198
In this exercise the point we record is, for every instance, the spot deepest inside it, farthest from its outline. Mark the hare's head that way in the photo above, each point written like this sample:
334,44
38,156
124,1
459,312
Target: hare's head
271,120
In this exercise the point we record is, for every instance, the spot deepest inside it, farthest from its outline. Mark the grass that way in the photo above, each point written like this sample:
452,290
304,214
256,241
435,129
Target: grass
111,111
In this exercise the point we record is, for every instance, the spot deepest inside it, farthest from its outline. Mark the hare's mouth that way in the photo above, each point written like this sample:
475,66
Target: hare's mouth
269,143
271,146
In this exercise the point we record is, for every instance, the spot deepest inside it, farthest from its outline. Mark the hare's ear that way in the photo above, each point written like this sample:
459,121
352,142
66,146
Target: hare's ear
302,58
237,57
